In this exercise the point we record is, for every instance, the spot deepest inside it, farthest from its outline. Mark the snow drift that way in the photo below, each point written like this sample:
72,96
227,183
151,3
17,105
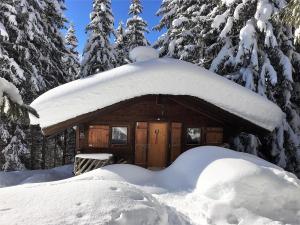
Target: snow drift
35,176
157,76
206,185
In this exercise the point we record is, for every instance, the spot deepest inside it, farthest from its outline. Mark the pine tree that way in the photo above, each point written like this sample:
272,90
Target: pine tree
31,55
99,54
255,50
13,146
291,16
243,41
180,19
72,62
15,150
136,27
121,45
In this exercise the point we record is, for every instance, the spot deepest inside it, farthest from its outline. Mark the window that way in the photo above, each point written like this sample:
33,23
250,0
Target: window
119,135
193,136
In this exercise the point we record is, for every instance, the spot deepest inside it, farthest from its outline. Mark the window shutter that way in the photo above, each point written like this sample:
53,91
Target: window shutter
175,140
141,141
98,136
214,136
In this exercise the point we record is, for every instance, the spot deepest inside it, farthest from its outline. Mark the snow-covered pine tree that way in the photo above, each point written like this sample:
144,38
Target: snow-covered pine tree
9,95
254,49
32,50
99,54
180,18
72,62
136,27
121,45
12,142
15,151
242,40
291,16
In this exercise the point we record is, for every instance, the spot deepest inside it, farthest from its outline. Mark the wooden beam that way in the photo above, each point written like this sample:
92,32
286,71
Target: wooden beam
195,109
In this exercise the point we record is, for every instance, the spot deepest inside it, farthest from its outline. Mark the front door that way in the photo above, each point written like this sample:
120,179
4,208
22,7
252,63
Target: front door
157,144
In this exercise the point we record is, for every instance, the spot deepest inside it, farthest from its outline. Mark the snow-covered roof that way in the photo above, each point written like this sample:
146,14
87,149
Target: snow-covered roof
157,76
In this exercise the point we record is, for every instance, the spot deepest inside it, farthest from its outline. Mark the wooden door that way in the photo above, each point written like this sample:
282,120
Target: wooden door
176,129
141,142
157,144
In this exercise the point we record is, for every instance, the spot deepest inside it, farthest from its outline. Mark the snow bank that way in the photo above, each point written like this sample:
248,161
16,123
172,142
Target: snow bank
35,176
84,201
212,185
158,76
204,186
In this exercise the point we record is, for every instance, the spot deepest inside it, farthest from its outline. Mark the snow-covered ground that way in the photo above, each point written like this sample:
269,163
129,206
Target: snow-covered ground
35,176
206,185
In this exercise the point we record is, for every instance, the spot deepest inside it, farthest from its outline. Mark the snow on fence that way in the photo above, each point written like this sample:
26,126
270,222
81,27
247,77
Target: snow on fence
87,162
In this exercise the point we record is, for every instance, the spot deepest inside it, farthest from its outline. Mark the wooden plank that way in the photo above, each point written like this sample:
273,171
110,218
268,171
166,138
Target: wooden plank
141,133
98,136
176,134
214,136
157,144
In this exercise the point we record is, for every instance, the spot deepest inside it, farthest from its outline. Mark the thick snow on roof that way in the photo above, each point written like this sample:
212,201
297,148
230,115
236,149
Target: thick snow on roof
157,76
143,53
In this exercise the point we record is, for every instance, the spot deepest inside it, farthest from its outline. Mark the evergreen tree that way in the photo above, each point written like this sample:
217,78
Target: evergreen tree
291,16
243,41
180,18
255,50
72,62
99,54
31,57
13,146
121,45
136,27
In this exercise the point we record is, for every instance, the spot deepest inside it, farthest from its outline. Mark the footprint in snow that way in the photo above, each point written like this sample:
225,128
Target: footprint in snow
114,189
6,209
79,215
231,219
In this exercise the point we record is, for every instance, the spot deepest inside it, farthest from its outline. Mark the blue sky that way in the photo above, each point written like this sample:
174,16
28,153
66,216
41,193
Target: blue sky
78,12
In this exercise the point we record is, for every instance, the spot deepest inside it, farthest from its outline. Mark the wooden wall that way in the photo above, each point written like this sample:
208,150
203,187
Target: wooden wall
149,109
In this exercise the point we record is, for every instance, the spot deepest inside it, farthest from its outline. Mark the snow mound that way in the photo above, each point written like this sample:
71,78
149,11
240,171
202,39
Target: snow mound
143,53
159,76
226,186
240,184
204,186
35,176
83,202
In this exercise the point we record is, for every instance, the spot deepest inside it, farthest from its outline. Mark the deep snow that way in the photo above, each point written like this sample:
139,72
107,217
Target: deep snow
206,185
35,176
157,76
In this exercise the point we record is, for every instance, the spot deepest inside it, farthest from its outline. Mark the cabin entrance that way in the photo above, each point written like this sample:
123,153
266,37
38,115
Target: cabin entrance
157,145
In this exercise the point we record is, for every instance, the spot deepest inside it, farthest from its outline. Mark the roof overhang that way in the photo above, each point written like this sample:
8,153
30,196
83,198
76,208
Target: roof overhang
160,76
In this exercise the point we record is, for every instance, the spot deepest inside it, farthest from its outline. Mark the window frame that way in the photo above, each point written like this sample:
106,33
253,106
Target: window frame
111,133
200,138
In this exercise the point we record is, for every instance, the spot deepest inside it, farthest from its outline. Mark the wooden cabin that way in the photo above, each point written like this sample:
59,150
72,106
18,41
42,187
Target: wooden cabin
148,113
153,130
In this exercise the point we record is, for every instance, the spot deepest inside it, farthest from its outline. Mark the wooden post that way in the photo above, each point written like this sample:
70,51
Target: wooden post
65,148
